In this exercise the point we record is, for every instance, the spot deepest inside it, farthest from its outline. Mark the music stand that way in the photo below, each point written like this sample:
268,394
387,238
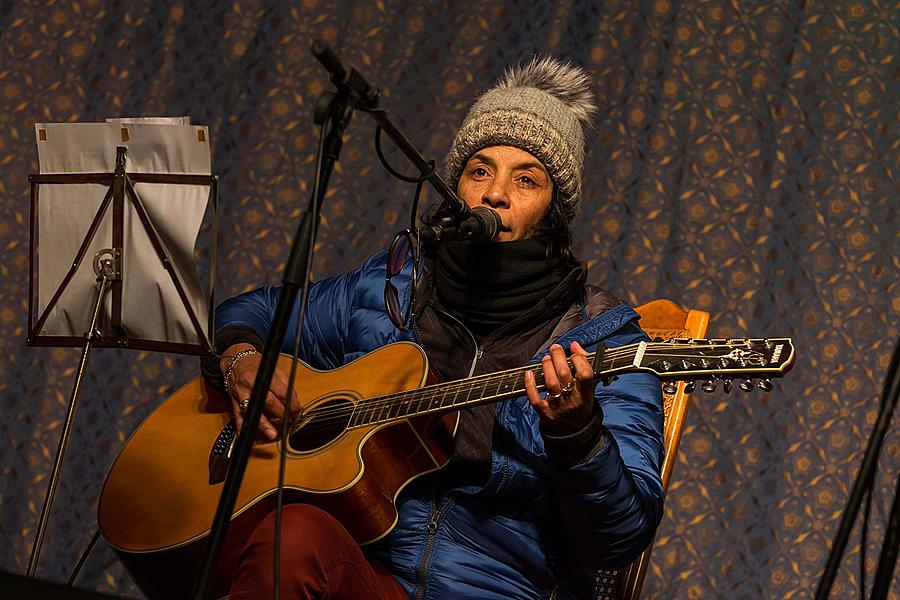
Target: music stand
128,301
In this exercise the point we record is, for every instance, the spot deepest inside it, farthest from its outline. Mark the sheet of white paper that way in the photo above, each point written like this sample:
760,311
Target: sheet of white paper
151,307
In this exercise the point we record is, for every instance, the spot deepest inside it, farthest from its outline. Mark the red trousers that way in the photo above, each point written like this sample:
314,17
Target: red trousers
319,559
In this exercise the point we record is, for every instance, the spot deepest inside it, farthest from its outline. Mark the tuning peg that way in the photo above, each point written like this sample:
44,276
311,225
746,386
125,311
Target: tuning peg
708,386
689,387
726,386
765,385
669,387
746,385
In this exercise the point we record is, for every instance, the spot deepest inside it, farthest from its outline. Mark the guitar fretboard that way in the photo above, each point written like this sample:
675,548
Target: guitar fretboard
482,389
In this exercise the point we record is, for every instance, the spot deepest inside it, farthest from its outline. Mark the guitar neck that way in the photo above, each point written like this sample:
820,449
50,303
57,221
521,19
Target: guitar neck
446,397
684,360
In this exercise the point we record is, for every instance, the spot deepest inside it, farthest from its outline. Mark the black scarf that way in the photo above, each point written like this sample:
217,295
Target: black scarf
489,284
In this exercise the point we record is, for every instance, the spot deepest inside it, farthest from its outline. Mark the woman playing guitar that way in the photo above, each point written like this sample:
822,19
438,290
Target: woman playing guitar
538,489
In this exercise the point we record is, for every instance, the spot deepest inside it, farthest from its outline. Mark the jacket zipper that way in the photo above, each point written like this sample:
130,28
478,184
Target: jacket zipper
479,350
505,476
437,511
410,302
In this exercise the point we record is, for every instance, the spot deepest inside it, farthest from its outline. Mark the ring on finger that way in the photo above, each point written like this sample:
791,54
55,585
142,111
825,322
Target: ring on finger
567,389
554,396
243,404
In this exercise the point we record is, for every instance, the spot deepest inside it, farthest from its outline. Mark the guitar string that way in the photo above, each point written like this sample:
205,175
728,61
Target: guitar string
371,405
379,403
325,415
497,377
376,412
408,397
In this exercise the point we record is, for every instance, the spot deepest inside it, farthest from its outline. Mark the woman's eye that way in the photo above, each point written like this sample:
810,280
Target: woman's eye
526,180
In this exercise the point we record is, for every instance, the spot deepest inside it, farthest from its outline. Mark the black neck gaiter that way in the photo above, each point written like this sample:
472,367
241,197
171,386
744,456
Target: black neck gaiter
489,284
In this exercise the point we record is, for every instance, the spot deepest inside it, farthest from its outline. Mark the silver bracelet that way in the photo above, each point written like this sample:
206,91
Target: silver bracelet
234,360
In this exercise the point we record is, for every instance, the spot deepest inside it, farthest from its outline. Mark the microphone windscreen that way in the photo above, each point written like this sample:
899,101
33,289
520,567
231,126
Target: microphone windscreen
490,219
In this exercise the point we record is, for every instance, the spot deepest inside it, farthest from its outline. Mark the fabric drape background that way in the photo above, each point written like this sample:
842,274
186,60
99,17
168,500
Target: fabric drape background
747,164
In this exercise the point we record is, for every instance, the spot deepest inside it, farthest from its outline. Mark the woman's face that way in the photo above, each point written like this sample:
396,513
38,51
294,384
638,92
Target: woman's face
512,182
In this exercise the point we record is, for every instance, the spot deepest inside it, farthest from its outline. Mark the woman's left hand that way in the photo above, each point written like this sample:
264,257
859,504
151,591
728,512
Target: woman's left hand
569,402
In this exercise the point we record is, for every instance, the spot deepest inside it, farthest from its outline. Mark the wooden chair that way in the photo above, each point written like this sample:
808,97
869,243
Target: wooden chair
663,319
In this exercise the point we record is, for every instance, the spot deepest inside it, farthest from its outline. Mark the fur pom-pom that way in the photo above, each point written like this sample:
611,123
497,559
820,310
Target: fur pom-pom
567,82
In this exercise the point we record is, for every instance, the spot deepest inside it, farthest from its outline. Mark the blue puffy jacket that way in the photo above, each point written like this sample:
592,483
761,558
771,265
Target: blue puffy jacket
535,527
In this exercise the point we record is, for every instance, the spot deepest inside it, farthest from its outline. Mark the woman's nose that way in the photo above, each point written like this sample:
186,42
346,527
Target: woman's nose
497,194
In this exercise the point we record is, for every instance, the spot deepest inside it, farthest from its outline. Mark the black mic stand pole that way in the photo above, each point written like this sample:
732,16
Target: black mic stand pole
295,275
453,204
864,480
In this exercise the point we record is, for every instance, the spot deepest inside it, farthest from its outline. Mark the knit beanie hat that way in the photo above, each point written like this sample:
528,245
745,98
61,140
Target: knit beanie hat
541,107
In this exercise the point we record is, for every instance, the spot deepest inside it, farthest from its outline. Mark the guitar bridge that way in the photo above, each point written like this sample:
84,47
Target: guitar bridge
220,455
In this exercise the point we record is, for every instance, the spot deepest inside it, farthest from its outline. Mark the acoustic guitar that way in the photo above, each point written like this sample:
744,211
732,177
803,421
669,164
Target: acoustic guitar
365,431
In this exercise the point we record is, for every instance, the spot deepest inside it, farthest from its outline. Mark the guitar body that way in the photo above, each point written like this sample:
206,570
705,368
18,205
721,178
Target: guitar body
157,504
366,430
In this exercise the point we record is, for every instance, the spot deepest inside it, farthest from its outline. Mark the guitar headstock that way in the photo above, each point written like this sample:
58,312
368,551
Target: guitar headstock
708,360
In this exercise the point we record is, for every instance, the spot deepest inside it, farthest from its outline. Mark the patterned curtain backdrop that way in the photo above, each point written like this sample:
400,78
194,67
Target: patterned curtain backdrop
747,165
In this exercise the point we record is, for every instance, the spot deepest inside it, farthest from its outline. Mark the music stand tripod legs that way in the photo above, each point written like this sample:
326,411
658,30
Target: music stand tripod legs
108,267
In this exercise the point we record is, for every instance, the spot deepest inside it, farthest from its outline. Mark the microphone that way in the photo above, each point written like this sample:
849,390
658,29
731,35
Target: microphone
481,225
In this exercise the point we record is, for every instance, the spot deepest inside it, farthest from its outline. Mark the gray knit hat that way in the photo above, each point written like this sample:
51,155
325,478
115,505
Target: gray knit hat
541,107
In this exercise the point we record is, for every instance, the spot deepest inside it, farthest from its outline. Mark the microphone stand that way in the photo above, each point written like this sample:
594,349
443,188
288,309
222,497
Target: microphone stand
340,110
353,92
864,480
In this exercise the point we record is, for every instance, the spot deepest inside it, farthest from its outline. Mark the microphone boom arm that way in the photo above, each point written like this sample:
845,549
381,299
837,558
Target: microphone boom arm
365,98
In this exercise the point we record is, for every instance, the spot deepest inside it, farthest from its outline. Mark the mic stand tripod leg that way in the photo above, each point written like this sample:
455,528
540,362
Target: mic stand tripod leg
889,548
89,337
83,559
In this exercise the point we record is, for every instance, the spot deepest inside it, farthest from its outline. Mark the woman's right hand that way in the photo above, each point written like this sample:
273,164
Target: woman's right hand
240,384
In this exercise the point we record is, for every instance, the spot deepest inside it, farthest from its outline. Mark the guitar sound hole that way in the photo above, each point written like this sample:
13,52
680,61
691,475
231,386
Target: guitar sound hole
321,425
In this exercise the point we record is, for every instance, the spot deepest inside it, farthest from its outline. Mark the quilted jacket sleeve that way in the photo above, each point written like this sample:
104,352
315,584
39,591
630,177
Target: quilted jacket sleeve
325,325
611,502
